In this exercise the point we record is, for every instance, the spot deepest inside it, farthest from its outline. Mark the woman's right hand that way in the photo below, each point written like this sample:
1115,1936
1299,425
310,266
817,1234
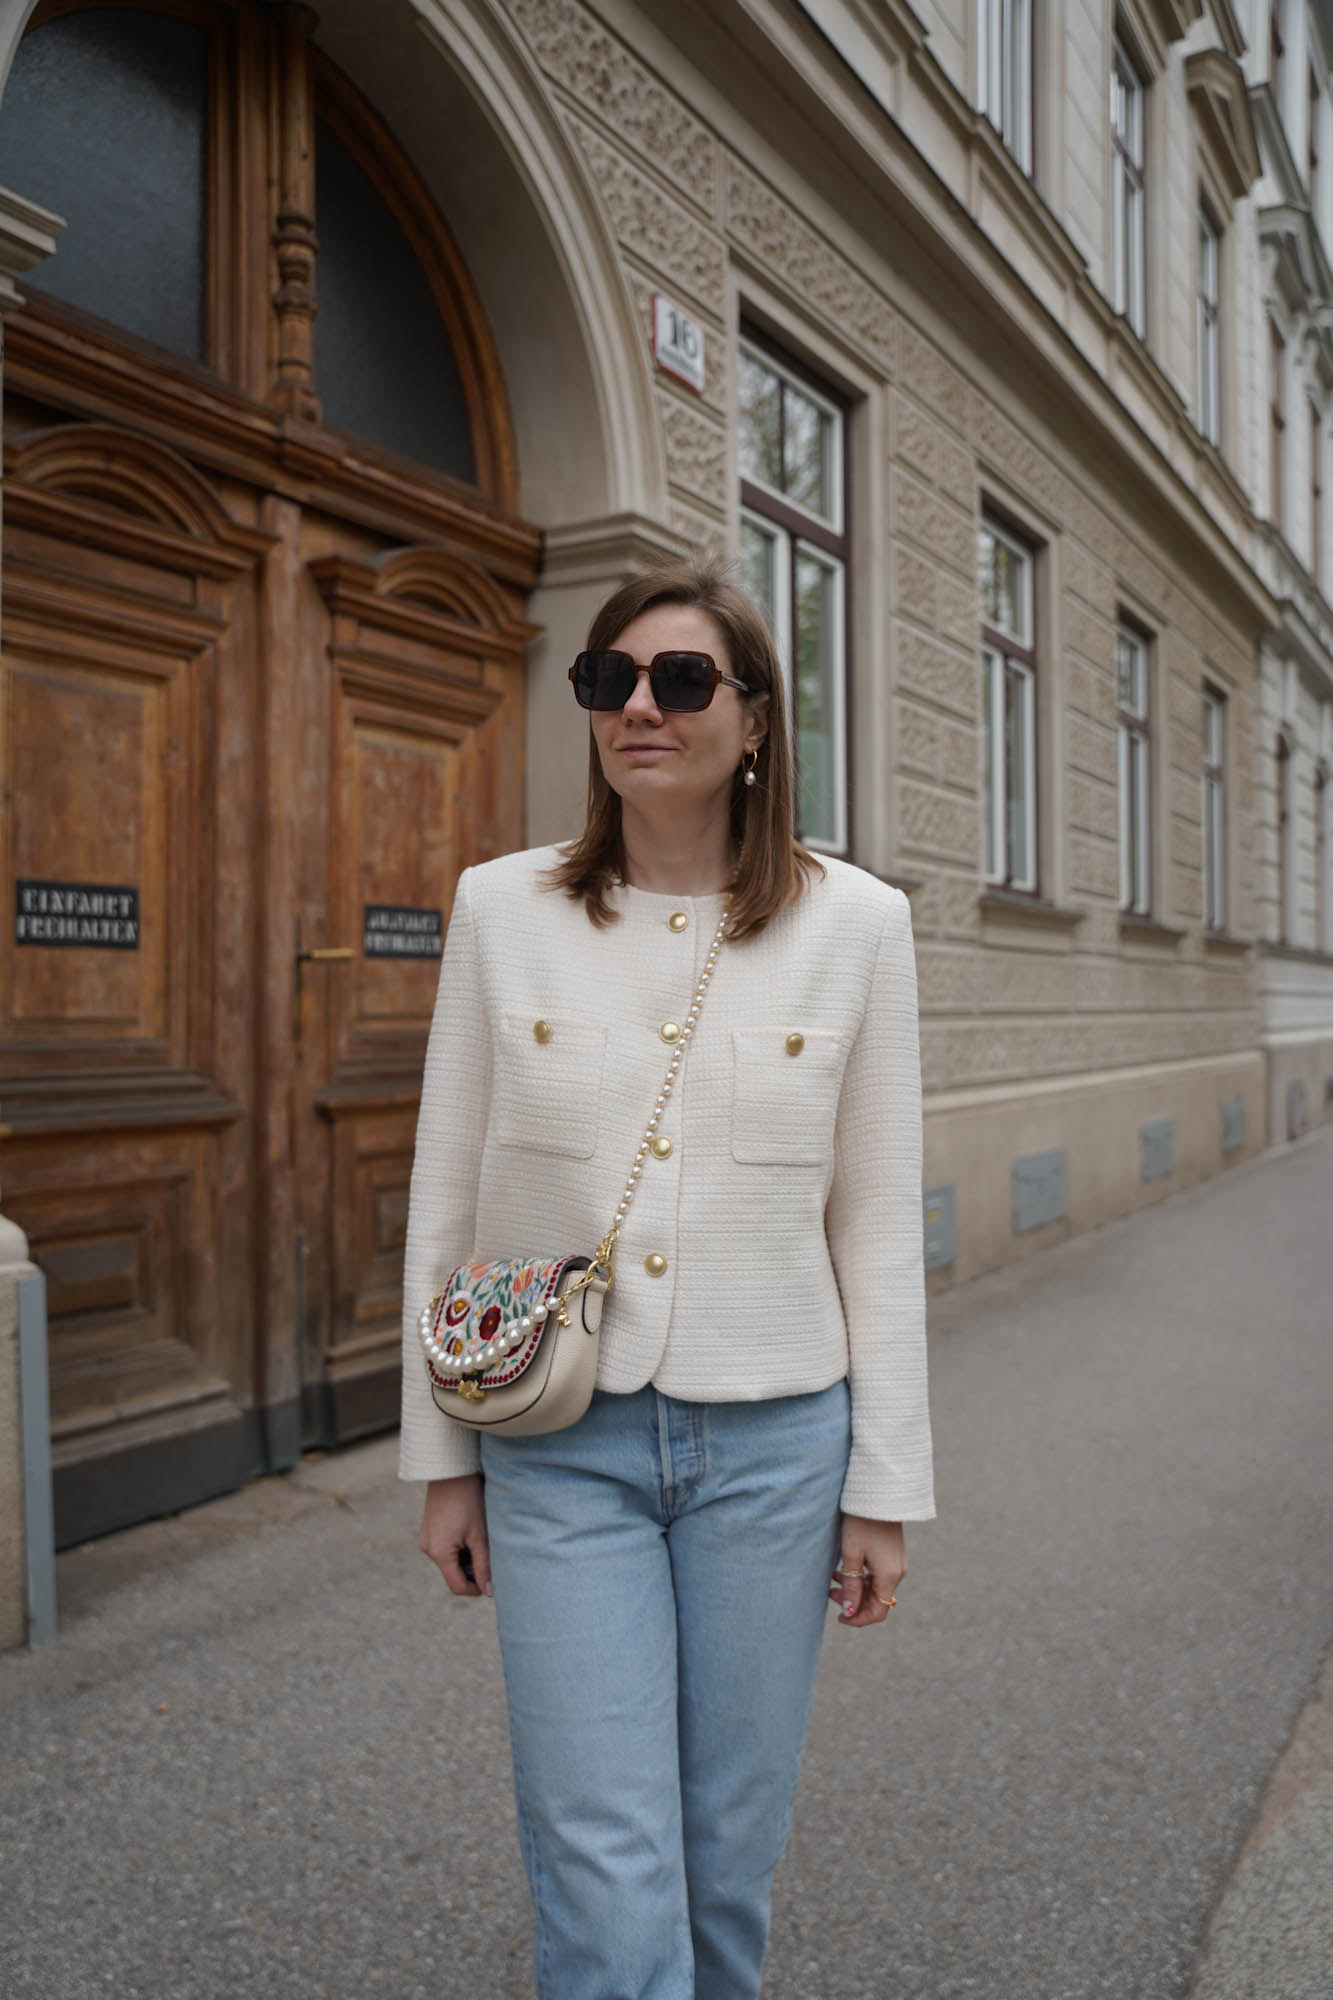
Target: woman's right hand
454,1520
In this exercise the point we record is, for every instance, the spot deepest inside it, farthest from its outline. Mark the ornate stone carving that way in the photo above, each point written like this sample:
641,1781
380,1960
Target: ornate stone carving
958,474
958,610
652,225
1021,460
696,449
939,673
935,524
702,531
918,740
958,757
774,234
576,51
916,437
915,586
925,371
935,822
946,904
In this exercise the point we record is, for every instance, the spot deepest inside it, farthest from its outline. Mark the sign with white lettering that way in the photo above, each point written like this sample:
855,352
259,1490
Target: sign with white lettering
393,931
76,913
678,343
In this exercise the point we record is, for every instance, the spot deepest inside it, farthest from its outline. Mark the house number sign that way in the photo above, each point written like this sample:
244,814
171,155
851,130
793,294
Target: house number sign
678,343
392,930
90,914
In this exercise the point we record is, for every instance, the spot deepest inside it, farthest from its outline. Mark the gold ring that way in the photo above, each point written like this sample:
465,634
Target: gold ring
845,1568
887,1602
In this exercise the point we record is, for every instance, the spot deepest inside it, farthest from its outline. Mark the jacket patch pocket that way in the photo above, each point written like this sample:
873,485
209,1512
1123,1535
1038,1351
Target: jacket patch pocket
785,1099
548,1086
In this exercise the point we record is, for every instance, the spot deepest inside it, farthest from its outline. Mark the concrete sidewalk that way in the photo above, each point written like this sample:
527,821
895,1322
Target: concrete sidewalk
267,1753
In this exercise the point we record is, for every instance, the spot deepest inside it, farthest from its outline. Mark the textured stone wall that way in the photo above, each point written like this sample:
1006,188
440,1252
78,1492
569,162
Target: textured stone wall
692,213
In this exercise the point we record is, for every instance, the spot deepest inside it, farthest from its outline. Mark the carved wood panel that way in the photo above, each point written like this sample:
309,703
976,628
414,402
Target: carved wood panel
265,678
419,670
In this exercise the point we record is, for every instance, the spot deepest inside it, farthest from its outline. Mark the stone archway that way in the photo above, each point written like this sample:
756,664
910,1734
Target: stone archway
487,139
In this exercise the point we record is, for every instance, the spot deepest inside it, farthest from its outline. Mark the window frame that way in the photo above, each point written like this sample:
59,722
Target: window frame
1277,424
1129,196
1213,801
1314,101
1285,785
1277,53
1323,887
795,529
1005,73
1134,775
1009,657
1210,324
1316,493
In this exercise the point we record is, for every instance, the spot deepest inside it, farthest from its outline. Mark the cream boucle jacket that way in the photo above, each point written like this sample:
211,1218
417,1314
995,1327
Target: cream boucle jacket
789,1209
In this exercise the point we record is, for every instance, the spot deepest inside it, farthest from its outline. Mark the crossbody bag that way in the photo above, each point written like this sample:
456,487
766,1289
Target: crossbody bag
513,1345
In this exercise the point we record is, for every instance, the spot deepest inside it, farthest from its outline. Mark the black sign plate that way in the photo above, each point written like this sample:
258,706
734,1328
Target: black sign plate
393,931
90,915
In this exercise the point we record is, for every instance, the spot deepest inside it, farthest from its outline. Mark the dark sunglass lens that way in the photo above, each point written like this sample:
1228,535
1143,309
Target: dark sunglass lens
682,681
603,680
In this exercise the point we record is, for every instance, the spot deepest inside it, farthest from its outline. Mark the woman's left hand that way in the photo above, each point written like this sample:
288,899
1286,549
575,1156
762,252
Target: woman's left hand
878,1549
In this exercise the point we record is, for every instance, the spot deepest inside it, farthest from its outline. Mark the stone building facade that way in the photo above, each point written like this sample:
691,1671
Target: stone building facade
1288,69
944,318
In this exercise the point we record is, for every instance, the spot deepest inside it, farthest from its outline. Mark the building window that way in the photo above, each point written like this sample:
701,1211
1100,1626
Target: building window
1283,841
1323,892
1214,809
794,564
1210,329
1277,422
1127,124
1004,44
1132,717
1008,707
1316,495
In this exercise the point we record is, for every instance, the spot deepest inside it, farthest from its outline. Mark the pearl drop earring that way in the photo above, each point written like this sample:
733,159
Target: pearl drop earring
750,760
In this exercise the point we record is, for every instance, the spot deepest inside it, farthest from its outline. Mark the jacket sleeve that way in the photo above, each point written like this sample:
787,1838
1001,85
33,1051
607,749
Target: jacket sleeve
874,1225
441,1217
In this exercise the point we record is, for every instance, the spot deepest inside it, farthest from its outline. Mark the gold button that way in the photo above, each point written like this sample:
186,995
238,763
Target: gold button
662,1147
677,921
654,1264
670,1031
795,1043
541,1031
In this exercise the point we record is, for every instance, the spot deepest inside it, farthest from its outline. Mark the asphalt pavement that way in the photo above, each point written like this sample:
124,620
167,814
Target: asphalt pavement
1090,1753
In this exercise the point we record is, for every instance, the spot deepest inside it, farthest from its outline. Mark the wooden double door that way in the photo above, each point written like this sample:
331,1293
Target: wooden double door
261,703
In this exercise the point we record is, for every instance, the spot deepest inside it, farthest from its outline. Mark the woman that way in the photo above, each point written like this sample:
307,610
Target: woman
660,1567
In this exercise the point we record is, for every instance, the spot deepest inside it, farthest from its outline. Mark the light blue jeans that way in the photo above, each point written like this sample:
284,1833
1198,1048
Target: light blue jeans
660,1573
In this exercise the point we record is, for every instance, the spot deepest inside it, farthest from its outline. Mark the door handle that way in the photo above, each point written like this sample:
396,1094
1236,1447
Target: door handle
329,954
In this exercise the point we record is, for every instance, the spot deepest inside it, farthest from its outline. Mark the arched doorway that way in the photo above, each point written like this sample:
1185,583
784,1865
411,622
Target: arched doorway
264,599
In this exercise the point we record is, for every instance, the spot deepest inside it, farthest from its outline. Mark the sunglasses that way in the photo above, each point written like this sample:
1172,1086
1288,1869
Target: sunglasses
682,683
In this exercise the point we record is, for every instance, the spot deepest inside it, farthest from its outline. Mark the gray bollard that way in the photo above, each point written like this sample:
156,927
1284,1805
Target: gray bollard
35,1411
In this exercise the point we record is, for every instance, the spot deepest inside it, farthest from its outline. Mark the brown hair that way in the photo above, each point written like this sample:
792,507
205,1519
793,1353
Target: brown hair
774,868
